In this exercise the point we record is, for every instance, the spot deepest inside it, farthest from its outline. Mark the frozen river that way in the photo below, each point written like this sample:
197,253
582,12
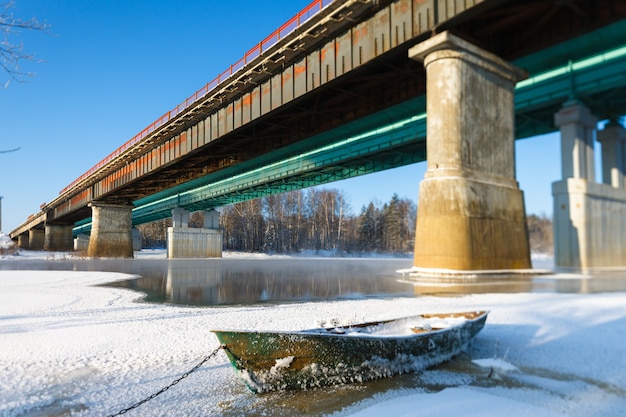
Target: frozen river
73,344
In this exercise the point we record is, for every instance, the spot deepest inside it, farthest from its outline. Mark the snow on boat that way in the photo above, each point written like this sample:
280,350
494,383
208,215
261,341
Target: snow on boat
272,361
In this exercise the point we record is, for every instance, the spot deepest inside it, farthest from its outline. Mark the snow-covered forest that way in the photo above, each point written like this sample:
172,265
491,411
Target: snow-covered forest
323,220
312,219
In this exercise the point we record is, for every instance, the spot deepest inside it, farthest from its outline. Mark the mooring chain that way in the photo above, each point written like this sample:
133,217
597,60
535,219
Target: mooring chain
176,381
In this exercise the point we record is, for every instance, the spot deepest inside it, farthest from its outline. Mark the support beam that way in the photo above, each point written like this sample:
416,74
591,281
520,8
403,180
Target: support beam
23,241
35,239
613,140
577,126
58,237
180,217
111,231
137,239
470,209
211,219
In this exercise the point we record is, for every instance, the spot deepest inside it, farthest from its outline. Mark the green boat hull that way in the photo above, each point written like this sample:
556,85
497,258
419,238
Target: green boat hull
271,361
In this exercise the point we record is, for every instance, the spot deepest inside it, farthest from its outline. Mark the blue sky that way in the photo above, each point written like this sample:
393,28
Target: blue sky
113,67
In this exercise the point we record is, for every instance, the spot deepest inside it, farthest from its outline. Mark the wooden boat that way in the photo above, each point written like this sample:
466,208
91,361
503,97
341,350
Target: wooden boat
271,361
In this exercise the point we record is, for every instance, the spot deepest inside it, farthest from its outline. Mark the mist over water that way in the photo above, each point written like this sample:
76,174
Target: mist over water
273,280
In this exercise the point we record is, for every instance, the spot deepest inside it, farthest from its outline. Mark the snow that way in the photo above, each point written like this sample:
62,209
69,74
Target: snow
465,402
5,241
403,327
497,365
70,347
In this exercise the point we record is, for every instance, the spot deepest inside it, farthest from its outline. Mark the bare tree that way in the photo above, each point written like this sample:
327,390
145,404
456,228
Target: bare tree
318,219
12,50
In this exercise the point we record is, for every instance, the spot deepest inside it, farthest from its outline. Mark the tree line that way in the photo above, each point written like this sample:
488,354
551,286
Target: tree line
313,219
322,220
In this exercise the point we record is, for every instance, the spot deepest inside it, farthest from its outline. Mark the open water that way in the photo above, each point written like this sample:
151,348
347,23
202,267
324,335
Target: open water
274,280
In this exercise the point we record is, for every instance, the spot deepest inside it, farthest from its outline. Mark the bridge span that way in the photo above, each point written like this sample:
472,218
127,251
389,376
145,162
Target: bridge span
341,90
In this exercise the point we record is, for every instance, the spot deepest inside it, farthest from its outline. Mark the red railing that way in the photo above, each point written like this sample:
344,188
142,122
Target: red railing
293,23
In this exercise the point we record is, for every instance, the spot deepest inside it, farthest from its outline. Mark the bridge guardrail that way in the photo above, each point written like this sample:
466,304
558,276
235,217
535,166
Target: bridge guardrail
288,27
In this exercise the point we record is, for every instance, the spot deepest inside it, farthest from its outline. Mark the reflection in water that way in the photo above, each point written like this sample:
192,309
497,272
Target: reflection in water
476,285
222,282
260,280
543,281
609,281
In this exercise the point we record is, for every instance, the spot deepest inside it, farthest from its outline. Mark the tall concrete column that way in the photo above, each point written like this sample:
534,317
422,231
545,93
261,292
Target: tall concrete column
211,219
111,234
613,140
571,194
577,126
58,237
22,241
180,217
35,239
470,209
137,239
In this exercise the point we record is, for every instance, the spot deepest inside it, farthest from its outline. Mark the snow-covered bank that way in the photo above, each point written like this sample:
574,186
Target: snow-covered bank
67,345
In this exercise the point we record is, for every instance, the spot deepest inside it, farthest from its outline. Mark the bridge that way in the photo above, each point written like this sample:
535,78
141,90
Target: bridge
340,90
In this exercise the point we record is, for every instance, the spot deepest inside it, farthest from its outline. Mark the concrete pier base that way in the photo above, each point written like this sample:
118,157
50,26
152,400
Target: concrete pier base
469,225
36,239
137,240
589,224
470,209
111,231
589,218
22,241
58,237
81,243
188,242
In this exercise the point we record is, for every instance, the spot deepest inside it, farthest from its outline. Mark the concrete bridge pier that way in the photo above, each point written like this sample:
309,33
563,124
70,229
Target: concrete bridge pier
58,237
470,209
613,141
111,234
589,217
187,242
36,239
23,241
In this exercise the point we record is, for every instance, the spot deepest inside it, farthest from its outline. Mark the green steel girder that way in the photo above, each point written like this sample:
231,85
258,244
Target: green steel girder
575,69
391,146
394,145
541,94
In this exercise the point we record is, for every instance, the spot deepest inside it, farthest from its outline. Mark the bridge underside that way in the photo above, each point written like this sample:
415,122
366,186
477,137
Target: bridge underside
397,136
367,118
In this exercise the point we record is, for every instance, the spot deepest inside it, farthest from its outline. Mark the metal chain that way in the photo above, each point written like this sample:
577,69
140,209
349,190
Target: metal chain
176,381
